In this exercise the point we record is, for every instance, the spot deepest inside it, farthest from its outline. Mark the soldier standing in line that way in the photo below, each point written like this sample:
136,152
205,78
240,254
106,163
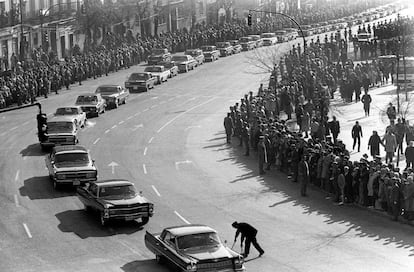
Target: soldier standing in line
245,136
228,126
303,174
249,234
262,154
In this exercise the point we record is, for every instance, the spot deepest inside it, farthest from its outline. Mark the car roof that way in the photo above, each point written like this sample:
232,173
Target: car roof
69,148
72,106
88,94
189,229
109,85
61,118
112,182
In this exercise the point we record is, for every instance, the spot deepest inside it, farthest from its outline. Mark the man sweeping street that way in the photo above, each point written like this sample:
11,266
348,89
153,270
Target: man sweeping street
248,233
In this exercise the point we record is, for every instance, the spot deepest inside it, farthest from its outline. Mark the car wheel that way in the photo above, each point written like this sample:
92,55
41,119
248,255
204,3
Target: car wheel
144,220
103,220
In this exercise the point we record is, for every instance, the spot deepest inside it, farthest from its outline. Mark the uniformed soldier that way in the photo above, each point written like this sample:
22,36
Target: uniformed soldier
262,154
245,135
228,126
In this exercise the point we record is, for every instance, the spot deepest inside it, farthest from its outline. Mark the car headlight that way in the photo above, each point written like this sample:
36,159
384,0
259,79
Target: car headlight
60,176
192,267
106,212
151,208
90,174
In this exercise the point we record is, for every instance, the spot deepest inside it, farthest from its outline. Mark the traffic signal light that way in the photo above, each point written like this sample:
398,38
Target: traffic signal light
83,9
249,20
46,37
41,126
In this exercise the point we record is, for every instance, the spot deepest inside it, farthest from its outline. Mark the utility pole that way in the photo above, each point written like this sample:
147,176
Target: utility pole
398,67
22,43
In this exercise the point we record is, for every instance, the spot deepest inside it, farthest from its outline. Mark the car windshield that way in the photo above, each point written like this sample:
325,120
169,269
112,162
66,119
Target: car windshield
80,158
180,58
66,111
207,48
168,65
158,51
198,240
138,76
244,39
107,89
59,127
87,99
155,69
117,192
280,32
267,35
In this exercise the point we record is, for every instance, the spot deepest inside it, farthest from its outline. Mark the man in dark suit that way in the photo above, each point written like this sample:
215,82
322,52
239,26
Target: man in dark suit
228,126
248,233
356,135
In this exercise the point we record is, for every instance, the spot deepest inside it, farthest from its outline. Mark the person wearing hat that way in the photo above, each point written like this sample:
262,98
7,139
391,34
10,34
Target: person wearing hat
357,135
409,155
390,144
303,174
228,126
248,234
374,144
262,154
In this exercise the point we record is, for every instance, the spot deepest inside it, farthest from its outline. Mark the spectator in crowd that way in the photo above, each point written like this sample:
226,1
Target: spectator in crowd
366,100
374,144
409,155
390,144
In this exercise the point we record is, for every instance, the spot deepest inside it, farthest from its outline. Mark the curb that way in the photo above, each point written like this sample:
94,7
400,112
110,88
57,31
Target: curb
19,107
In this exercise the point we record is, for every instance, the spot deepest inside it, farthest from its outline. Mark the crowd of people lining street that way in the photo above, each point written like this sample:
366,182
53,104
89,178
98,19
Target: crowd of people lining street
303,86
23,82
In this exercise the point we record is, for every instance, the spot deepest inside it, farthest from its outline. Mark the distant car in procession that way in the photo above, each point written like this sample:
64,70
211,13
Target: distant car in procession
159,55
282,36
185,63
70,165
268,38
115,199
75,112
193,248
159,72
247,43
197,54
140,81
92,104
225,48
237,48
210,52
258,41
172,66
61,130
114,95
292,33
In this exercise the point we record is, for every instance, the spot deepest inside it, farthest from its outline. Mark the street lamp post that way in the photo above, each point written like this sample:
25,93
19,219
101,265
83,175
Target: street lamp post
22,42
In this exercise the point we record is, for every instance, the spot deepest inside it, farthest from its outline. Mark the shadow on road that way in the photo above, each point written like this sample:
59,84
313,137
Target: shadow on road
146,266
33,150
42,188
86,224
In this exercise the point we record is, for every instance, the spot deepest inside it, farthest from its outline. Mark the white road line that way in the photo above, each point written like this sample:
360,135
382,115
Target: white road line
153,106
97,140
150,140
25,123
114,126
16,201
136,114
155,97
145,151
120,122
106,131
2,134
181,114
145,110
144,168
130,117
26,228
172,98
182,218
25,157
13,128
156,191
16,177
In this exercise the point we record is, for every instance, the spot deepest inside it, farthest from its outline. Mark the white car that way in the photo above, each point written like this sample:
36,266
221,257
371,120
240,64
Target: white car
160,72
76,112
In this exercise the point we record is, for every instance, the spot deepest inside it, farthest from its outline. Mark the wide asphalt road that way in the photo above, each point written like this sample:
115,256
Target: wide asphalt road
170,142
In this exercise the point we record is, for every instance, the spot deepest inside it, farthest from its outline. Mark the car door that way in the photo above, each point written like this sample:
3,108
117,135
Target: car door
48,161
91,197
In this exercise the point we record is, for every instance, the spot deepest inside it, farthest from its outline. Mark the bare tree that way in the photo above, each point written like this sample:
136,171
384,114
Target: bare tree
264,59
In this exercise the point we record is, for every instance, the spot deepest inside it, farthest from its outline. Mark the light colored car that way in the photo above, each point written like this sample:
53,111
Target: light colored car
159,55
247,43
61,130
70,164
115,199
75,112
292,32
197,54
160,72
257,40
172,66
91,103
210,52
282,36
114,95
225,48
193,248
237,48
185,63
140,81
268,38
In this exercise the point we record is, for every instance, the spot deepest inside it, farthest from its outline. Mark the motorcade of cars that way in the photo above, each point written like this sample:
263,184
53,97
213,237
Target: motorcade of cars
91,103
292,33
268,38
158,55
75,112
172,66
225,48
185,63
237,48
257,40
70,165
115,199
247,43
193,248
282,36
160,72
197,54
210,52
114,95
140,81
60,130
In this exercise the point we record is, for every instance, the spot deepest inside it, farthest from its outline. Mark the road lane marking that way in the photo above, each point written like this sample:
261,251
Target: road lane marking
26,228
150,140
178,163
136,114
155,97
145,151
156,191
145,110
172,98
144,168
13,128
2,134
97,140
137,127
181,114
182,218
106,131
16,201
187,128
114,126
130,117
153,106
16,177
25,123
120,122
